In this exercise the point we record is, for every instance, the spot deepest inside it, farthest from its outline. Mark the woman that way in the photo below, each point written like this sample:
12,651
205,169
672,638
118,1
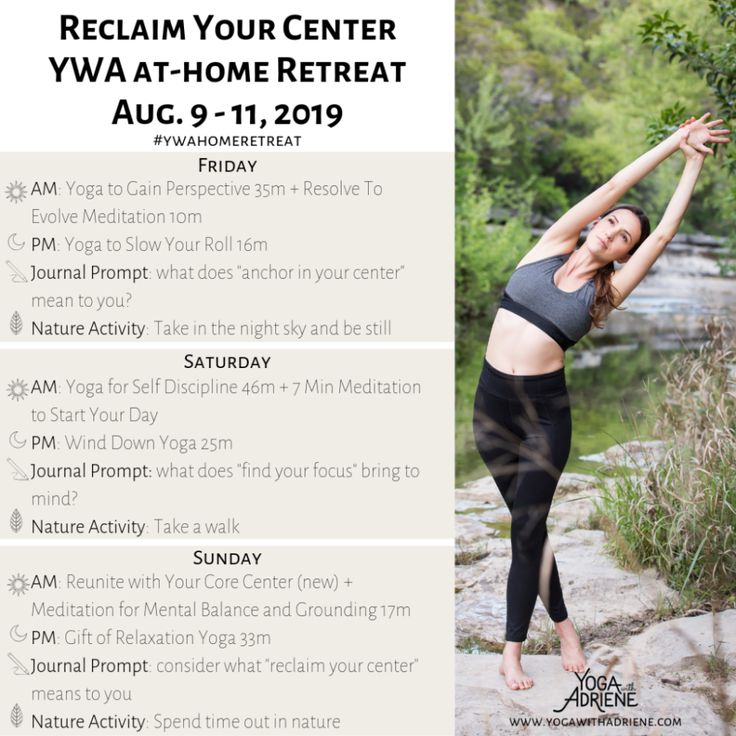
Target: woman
522,415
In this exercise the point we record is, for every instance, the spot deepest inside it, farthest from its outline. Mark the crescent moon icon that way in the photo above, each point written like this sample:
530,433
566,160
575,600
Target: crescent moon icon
13,245
15,442
15,634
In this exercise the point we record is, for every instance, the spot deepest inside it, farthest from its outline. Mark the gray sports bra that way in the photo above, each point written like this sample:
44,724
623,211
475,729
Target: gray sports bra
563,315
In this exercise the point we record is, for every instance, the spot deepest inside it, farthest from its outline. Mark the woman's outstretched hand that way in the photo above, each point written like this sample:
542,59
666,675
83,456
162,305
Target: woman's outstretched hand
690,153
696,133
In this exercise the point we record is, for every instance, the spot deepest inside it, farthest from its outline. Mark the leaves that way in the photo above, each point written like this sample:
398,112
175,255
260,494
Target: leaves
16,324
553,98
714,61
668,121
16,521
484,257
680,517
697,53
16,716
579,88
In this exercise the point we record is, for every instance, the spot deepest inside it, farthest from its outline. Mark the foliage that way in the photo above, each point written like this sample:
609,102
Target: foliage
712,57
483,127
680,517
667,123
484,257
716,63
472,264
581,89
553,97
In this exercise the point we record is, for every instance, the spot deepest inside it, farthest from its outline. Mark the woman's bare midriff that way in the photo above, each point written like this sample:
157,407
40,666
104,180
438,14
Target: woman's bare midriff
517,346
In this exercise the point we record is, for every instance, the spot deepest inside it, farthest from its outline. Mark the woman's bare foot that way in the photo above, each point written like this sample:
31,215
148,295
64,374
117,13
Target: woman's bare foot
573,657
510,667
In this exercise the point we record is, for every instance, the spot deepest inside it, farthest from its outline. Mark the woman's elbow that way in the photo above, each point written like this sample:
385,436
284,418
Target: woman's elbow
662,235
615,186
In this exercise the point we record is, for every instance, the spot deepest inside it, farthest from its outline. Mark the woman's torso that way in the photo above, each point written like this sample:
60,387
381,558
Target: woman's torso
518,346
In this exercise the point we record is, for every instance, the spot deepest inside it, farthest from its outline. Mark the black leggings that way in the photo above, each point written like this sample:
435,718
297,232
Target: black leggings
522,430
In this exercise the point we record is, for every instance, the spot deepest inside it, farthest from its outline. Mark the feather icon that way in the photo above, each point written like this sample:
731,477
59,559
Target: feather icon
16,521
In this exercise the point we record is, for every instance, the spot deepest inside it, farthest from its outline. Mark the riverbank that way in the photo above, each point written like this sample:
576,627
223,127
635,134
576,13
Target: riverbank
630,623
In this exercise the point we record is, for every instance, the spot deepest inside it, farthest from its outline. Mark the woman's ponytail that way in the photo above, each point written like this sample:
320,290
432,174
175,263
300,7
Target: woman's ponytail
605,295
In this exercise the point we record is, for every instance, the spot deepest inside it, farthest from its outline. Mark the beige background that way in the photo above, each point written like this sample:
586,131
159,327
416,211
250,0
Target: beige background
334,430
411,224
416,703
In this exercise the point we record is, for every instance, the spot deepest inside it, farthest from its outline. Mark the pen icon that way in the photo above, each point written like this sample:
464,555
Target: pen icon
18,472
20,668
18,277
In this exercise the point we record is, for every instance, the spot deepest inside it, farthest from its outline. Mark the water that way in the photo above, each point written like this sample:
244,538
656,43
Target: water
608,398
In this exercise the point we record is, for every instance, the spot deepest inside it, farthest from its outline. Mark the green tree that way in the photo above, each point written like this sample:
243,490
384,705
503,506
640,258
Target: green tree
575,76
484,143
714,60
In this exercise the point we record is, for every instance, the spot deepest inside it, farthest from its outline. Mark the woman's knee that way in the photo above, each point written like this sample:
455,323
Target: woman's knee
528,535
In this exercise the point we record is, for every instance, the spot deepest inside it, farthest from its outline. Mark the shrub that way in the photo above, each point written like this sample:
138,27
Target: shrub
680,516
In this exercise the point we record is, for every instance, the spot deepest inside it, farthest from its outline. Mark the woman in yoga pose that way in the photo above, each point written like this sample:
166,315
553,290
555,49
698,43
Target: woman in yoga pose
521,418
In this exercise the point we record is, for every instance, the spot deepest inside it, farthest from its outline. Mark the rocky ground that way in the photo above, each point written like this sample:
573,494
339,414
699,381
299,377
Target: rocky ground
678,668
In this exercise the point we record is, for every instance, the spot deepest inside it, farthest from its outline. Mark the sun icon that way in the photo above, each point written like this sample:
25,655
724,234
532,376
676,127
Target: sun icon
18,389
15,192
18,584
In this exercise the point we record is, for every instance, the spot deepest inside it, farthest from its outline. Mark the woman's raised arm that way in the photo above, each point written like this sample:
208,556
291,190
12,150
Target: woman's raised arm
562,236
626,279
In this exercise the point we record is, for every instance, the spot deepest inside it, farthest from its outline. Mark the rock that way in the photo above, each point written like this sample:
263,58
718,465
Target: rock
669,664
469,531
484,490
485,706
574,483
463,506
572,511
683,645
479,491
596,590
635,454
701,239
